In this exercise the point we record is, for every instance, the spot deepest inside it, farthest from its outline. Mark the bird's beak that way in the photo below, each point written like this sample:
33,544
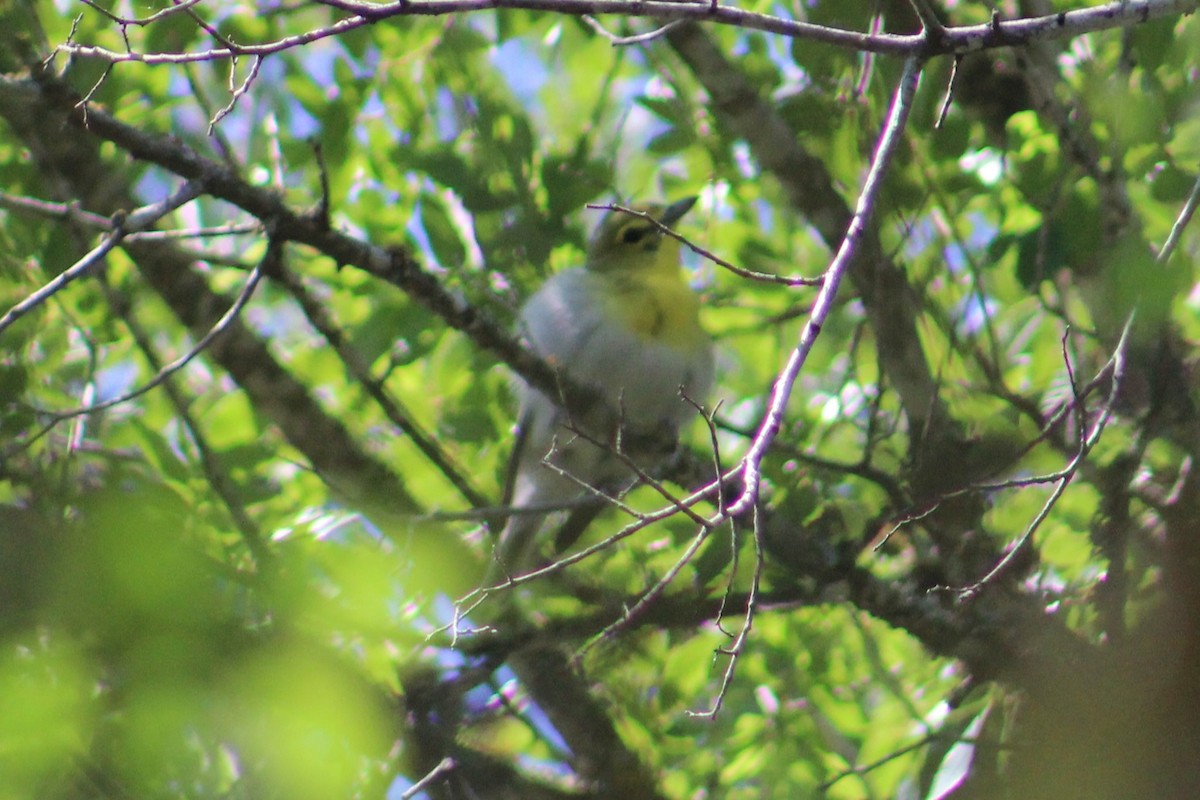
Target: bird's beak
672,213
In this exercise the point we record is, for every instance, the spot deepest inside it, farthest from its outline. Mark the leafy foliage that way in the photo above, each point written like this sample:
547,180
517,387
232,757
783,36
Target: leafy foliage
976,521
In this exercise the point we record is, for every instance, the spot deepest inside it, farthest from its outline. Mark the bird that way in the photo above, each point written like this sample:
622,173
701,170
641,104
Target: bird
627,326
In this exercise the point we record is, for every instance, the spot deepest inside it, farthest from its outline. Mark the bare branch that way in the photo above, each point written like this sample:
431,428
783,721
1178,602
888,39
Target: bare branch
734,651
1181,222
964,39
122,225
236,92
1088,442
435,775
889,140
182,5
232,51
623,41
632,613
472,599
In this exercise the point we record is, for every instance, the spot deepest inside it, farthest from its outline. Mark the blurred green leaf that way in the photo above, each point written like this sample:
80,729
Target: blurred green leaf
1184,145
227,608
443,235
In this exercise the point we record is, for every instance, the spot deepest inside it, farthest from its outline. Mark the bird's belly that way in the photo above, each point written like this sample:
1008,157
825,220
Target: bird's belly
642,378
636,343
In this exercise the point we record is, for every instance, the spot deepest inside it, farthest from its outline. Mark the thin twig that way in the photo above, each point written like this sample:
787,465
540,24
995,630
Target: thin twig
71,212
635,611
180,5
122,225
236,93
949,98
438,773
1185,216
643,477
931,25
1088,442
473,598
637,38
217,477
224,322
765,277
319,317
734,651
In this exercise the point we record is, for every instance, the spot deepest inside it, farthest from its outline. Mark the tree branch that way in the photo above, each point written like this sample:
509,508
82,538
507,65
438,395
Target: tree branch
72,158
889,140
964,39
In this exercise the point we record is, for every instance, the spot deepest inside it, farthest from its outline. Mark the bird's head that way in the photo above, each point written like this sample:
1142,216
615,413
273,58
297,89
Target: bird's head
631,242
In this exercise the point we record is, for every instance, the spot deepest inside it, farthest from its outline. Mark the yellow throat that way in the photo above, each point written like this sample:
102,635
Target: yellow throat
645,286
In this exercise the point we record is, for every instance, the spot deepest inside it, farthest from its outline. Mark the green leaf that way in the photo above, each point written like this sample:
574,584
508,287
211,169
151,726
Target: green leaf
671,141
1171,184
443,234
1184,144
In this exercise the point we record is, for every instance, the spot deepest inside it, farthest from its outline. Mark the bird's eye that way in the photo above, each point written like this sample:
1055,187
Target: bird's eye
634,234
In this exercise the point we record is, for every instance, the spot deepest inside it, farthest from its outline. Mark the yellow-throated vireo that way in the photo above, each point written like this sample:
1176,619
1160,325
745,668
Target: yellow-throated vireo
627,325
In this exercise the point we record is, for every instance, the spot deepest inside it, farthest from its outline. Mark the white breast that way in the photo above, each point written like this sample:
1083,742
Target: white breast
641,378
